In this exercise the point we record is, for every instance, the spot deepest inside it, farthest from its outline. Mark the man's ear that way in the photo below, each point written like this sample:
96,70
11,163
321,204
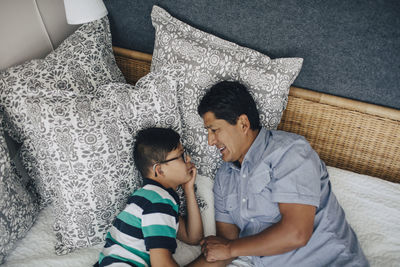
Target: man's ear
244,122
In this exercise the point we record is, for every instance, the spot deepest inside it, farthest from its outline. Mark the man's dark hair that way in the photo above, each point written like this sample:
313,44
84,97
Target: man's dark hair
152,145
228,100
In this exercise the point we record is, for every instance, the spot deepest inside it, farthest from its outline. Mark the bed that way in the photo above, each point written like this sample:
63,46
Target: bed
358,141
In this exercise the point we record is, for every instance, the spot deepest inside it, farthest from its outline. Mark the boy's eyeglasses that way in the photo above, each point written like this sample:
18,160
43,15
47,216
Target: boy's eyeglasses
183,156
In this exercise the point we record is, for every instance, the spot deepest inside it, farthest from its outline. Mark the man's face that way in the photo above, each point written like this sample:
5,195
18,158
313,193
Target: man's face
229,139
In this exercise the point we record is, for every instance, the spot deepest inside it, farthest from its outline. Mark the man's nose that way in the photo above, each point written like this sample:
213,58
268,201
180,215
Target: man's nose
211,139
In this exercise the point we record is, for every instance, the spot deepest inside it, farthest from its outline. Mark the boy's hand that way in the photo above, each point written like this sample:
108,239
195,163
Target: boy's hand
190,184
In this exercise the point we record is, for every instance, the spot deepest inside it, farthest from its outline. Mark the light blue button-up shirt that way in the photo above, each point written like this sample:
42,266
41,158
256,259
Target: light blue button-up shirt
281,167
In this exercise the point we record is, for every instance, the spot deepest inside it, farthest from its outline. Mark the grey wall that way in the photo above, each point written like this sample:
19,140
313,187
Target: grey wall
351,48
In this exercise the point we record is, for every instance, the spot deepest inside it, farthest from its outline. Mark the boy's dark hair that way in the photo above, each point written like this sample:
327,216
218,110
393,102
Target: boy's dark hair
152,145
228,100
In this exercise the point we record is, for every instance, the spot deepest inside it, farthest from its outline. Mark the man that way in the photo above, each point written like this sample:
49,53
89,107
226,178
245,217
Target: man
273,198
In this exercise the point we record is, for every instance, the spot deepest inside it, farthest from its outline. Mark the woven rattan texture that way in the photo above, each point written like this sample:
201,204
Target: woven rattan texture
132,69
344,138
347,139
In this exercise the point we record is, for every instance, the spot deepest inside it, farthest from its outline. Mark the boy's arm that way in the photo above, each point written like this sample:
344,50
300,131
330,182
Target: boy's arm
162,257
191,230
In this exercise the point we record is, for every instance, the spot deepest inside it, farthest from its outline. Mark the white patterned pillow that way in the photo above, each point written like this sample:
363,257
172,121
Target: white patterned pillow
18,205
81,64
80,148
158,83
209,59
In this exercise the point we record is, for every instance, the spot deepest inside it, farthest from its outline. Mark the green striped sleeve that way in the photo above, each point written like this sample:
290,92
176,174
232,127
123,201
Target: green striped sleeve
159,230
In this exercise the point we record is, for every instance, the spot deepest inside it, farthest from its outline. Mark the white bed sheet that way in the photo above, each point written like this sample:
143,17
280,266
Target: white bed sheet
372,208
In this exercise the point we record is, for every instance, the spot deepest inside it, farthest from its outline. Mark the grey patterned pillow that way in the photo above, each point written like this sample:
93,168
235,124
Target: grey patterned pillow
82,63
209,59
80,147
18,205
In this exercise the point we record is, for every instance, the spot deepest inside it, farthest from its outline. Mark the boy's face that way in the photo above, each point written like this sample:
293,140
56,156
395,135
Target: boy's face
177,171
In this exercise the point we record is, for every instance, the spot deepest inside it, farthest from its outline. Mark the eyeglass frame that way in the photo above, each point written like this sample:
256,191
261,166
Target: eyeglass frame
183,156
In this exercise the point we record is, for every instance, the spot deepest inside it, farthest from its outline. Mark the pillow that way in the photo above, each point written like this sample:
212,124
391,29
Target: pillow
209,59
372,208
18,205
80,146
82,63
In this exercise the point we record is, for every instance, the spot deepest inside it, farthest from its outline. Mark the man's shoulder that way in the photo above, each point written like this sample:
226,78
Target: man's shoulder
282,139
283,135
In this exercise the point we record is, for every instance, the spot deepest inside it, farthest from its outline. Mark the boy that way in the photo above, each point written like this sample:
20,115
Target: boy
144,233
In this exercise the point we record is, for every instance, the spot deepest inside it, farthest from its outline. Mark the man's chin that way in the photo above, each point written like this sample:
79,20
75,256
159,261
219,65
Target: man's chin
225,158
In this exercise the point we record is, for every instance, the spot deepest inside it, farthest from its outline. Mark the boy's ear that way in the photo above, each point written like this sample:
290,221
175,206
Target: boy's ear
158,171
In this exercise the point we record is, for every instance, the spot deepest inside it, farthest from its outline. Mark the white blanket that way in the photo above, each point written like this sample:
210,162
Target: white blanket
372,208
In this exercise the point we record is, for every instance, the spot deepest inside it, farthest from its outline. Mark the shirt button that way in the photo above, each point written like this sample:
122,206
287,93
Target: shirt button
252,220
244,175
243,200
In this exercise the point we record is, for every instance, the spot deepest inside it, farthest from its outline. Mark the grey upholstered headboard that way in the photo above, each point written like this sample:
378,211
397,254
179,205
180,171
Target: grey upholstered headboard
350,48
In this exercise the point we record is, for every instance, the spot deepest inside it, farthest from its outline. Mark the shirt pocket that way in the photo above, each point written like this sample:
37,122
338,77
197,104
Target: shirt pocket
260,205
231,202
259,179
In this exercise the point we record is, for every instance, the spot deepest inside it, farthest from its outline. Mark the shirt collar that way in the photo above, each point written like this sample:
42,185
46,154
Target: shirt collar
171,191
255,152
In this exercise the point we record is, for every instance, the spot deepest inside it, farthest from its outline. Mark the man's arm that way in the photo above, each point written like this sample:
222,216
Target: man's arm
225,233
291,232
162,257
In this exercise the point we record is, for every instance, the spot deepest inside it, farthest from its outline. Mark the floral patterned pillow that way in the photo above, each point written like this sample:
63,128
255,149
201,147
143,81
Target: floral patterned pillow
80,145
209,59
81,64
18,204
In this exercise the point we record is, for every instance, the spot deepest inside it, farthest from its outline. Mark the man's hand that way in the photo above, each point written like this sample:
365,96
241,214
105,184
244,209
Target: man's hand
215,248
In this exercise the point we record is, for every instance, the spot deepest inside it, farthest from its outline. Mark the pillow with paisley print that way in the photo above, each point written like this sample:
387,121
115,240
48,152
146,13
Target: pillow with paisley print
208,60
81,63
19,205
79,145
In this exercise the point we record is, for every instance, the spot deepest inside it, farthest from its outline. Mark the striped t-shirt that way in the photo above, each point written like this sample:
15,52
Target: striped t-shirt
150,220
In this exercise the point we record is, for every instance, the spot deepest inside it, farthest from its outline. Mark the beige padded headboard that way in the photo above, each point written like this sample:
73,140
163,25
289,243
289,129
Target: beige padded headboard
31,29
